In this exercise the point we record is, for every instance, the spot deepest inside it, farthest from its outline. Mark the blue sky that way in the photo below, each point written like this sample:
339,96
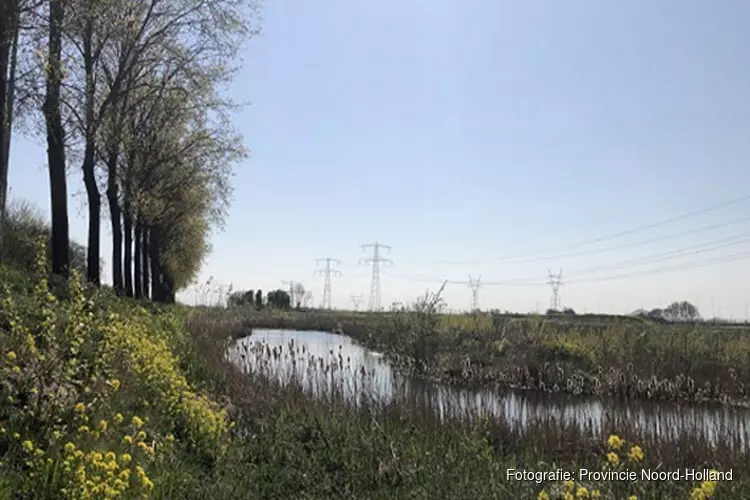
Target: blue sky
457,131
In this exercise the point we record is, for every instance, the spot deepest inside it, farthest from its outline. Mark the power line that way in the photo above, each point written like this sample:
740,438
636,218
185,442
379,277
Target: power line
327,271
555,281
376,261
632,244
649,272
601,238
641,261
474,285
669,255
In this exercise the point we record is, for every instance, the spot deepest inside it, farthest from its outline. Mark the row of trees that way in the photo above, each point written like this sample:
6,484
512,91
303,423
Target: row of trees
676,312
128,90
279,299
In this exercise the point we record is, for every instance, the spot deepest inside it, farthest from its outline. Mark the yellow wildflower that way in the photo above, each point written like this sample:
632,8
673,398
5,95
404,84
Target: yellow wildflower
11,356
615,442
144,447
127,440
79,408
28,446
118,418
542,495
708,487
582,492
698,494
70,447
102,425
569,485
632,497
612,458
137,422
635,454
595,494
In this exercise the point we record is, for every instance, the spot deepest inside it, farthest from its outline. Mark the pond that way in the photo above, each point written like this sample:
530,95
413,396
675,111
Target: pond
327,365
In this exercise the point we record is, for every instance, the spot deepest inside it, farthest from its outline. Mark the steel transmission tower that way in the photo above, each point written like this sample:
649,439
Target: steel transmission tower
475,285
327,271
376,260
555,281
356,300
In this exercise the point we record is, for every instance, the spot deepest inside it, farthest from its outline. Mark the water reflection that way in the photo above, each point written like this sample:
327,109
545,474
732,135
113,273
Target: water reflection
325,363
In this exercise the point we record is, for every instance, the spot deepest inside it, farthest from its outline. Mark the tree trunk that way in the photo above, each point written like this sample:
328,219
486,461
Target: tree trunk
93,272
137,275
157,290
114,214
128,263
9,22
169,293
56,143
146,264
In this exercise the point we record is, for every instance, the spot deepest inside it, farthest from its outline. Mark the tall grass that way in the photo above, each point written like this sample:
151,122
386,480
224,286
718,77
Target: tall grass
629,359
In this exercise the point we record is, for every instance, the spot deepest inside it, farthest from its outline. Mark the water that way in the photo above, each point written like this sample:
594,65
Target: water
326,363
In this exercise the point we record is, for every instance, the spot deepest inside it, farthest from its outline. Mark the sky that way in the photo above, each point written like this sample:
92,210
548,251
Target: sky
463,133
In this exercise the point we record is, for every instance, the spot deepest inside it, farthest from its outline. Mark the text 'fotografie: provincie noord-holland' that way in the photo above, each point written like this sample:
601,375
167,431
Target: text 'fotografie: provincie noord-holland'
618,475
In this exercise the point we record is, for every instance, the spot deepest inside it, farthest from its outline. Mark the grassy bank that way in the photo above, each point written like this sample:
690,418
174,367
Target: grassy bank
108,398
624,357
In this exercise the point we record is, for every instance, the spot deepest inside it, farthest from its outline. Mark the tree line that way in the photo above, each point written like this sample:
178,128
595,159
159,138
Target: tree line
676,312
127,94
279,299
297,297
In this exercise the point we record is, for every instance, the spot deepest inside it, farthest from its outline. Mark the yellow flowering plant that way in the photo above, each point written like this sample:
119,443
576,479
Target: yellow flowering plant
71,371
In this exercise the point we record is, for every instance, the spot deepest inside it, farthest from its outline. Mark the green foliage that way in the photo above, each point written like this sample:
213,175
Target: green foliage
279,299
24,227
259,299
93,399
568,349
681,311
241,299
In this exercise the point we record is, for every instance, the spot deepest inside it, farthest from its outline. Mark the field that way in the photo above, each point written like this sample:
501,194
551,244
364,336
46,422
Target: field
104,397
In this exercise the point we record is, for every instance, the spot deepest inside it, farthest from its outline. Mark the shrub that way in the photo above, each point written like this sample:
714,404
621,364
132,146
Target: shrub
24,227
